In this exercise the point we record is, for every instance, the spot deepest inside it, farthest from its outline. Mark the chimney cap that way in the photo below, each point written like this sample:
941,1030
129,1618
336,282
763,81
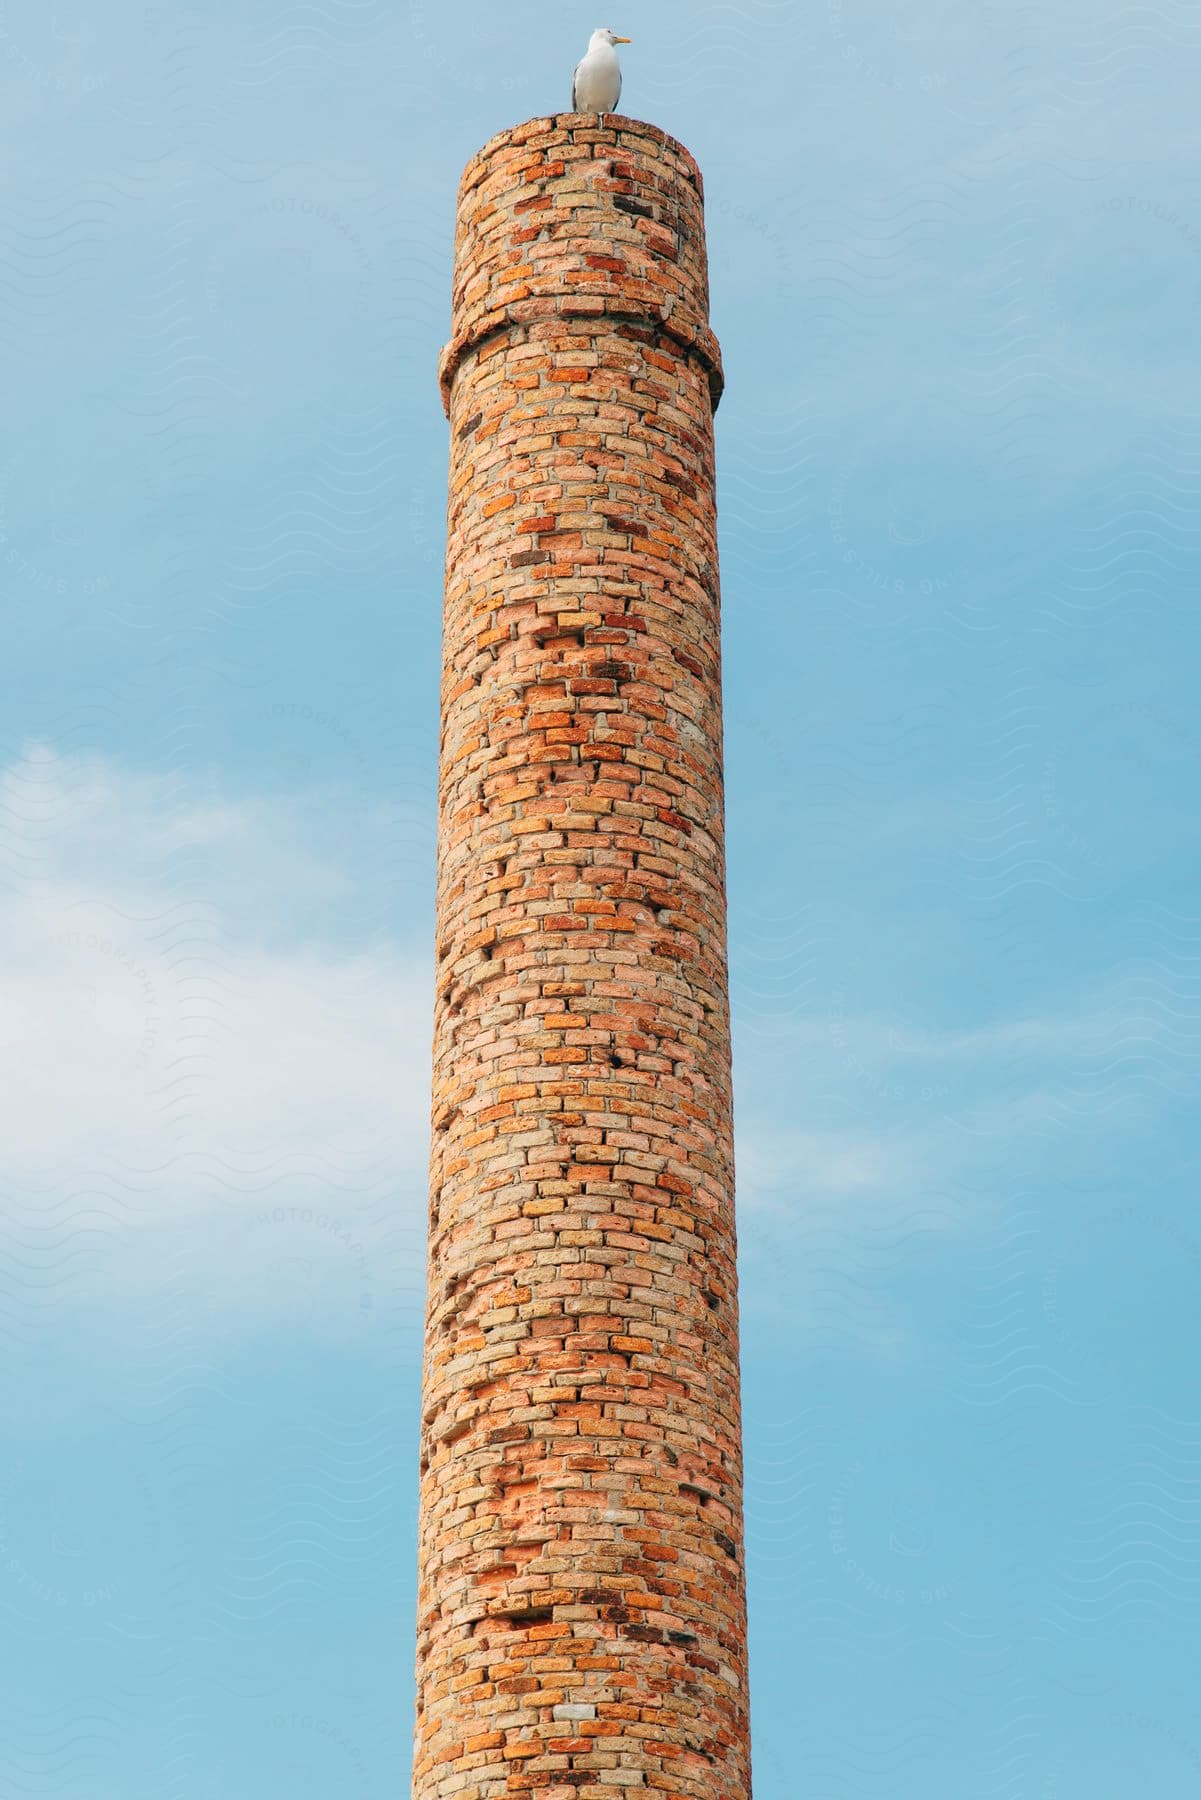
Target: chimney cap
618,212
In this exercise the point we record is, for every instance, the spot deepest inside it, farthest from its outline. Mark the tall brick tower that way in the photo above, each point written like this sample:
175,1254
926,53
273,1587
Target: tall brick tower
581,1614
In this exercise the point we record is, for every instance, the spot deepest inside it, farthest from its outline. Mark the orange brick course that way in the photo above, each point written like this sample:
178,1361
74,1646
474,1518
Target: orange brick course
581,1609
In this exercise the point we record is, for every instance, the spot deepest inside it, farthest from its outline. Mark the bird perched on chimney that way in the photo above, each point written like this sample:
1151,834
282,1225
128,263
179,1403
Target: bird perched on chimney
597,84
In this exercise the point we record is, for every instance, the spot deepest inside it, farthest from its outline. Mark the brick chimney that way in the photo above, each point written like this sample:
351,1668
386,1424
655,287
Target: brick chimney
581,1613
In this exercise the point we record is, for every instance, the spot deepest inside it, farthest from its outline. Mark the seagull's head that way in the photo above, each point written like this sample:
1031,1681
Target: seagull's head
605,38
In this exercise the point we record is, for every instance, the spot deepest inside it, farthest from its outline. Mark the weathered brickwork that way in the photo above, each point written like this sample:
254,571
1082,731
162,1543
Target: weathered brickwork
581,1613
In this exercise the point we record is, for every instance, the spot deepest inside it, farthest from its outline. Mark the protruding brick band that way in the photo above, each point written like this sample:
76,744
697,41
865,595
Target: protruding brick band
581,1613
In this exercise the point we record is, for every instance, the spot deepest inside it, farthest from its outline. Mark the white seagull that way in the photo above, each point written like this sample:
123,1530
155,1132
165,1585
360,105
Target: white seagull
597,84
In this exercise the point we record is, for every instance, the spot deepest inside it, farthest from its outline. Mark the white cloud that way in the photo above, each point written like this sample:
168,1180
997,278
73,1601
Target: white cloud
191,1096
825,1164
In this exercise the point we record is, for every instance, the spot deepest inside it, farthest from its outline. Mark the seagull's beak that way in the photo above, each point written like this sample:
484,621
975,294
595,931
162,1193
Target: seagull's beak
623,40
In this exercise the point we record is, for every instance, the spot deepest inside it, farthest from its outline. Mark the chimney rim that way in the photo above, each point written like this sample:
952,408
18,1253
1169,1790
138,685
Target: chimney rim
568,125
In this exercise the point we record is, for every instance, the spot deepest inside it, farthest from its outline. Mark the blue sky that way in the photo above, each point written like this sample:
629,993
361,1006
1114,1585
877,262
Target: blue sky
957,265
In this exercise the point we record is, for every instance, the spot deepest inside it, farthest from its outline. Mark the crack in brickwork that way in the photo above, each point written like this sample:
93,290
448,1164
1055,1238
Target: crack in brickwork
581,1609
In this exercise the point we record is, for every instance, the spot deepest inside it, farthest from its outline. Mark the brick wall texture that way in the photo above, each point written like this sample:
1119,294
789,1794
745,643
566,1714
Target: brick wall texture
581,1612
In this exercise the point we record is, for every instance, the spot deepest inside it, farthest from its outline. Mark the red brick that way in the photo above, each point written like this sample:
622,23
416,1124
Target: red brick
581,1477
